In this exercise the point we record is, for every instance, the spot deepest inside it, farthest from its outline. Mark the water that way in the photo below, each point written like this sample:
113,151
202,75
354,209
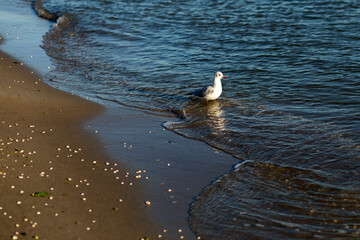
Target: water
290,104
19,38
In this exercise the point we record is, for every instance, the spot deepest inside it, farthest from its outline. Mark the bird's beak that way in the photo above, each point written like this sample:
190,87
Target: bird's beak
223,77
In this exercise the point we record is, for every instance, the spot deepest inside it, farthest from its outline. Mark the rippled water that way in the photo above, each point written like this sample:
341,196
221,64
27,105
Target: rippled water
290,104
277,202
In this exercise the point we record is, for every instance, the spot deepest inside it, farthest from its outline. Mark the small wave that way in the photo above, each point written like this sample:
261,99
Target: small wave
43,12
268,201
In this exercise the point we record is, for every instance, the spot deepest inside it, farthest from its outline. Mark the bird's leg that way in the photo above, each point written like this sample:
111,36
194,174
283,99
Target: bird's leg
206,102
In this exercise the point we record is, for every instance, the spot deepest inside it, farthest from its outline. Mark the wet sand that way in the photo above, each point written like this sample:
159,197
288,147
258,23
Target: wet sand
56,181
174,169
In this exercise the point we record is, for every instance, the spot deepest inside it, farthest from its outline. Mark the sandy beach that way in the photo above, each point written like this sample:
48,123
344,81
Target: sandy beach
56,181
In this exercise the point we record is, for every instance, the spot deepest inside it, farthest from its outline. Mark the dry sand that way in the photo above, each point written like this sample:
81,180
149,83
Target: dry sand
45,149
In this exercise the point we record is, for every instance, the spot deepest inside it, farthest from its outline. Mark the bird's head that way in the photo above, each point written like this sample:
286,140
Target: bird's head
219,75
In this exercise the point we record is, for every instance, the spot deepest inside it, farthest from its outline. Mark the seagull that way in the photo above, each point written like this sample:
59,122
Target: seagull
211,92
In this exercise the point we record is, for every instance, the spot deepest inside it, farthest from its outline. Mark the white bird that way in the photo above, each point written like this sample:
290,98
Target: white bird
211,92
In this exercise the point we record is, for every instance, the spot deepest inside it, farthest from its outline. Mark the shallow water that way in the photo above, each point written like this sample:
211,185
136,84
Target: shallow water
22,40
290,102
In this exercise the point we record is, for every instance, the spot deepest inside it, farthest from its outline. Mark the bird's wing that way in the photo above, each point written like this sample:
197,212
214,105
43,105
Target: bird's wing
201,92
208,90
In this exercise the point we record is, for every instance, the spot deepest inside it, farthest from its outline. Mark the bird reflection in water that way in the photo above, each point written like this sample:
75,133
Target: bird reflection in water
208,119
214,116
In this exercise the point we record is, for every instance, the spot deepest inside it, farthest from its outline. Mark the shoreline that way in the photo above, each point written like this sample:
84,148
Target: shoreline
44,149
175,171
22,41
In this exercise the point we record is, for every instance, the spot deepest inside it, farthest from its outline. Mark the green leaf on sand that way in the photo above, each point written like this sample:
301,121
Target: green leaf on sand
40,194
